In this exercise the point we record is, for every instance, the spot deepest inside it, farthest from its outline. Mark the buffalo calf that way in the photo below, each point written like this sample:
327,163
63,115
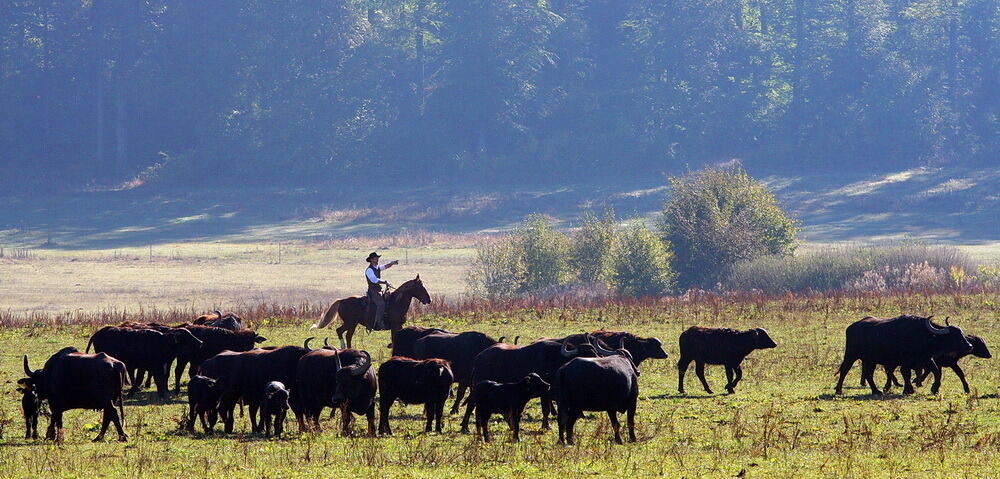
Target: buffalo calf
274,407
724,346
31,404
509,399
204,395
426,382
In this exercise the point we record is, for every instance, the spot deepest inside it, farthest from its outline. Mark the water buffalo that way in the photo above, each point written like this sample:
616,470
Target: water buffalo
490,397
639,347
460,349
407,337
142,349
73,380
219,319
609,383
245,374
214,341
274,407
204,395
909,342
412,381
723,346
31,405
505,363
943,360
337,378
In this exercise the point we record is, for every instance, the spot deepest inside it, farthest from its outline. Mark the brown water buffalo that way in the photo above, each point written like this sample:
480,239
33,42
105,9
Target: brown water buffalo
490,397
909,342
342,379
412,381
724,346
245,375
407,337
506,363
609,383
213,341
73,380
460,349
146,350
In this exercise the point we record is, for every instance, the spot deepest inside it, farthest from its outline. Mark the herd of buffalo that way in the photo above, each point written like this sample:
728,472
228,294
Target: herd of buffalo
597,371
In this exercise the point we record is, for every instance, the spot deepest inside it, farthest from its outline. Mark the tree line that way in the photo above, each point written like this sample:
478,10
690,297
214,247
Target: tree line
104,90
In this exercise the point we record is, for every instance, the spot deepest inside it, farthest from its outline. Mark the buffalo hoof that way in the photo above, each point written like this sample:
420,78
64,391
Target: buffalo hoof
908,391
731,390
123,438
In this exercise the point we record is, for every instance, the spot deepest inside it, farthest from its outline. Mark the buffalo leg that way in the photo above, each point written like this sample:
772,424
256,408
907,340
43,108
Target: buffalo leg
739,376
385,405
255,426
265,417
907,383
105,421
961,376
178,370
868,372
50,432
458,398
192,412
630,420
562,420
440,416
117,421
227,417
161,378
546,410
515,423
889,375
845,367
699,369
571,417
345,420
616,426
682,367
465,420
428,416
729,379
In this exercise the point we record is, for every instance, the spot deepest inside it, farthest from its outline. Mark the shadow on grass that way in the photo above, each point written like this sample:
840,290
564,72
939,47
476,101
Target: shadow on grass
684,396
150,398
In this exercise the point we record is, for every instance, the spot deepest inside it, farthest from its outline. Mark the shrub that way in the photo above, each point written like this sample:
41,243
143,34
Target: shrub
641,264
719,216
545,252
498,271
592,248
860,268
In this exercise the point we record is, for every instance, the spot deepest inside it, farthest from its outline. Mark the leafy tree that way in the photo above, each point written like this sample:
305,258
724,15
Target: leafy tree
718,216
642,263
593,246
546,253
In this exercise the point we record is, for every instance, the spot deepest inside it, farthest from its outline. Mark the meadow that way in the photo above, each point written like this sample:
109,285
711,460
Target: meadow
783,420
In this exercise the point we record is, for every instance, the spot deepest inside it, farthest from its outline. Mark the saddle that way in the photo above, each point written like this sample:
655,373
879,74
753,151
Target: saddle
369,318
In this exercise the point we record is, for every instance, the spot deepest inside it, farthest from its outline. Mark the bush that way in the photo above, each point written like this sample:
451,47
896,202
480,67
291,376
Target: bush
859,269
592,249
719,216
498,271
641,265
545,252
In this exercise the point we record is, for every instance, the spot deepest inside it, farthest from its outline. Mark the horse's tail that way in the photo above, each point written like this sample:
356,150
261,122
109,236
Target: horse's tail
331,314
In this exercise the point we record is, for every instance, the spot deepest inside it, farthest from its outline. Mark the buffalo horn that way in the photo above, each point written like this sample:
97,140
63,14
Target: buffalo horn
931,328
600,349
27,370
501,339
515,339
326,342
336,360
306,344
566,352
946,320
362,368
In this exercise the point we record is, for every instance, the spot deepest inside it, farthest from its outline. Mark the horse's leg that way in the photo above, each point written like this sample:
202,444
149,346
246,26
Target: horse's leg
350,334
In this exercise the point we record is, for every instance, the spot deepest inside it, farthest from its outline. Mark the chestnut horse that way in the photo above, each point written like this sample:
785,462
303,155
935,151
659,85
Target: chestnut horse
352,310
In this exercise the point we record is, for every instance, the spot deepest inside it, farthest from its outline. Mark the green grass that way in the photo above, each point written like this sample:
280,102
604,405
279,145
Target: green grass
783,420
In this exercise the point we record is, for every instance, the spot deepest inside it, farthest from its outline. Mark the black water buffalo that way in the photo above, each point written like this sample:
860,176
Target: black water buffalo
909,342
274,408
943,360
413,381
337,378
639,347
150,350
204,394
460,349
245,374
506,363
73,380
490,397
609,383
407,337
724,346
219,319
214,341
31,405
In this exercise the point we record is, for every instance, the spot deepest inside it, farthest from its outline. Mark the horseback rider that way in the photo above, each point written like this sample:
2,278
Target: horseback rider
373,275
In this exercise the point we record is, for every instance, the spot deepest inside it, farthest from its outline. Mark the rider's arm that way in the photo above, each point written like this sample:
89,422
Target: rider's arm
387,265
371,276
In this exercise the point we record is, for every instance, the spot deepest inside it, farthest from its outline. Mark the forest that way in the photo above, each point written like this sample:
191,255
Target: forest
104,92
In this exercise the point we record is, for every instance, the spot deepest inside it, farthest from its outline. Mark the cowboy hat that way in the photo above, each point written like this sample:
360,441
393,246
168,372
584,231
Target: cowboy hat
373,255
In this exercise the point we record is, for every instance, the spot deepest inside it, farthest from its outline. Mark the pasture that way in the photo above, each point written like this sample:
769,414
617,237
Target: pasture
783,420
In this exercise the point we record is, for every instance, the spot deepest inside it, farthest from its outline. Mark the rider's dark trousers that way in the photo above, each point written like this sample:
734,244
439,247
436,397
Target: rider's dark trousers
375,296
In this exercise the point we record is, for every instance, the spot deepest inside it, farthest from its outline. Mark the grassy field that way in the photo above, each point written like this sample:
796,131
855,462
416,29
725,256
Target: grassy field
783,420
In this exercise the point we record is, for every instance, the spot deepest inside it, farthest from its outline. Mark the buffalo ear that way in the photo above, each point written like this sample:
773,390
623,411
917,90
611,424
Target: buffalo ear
259,339
22,390
418,277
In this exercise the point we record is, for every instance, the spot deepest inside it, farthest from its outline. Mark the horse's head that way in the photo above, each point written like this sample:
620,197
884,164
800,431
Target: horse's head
416,288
